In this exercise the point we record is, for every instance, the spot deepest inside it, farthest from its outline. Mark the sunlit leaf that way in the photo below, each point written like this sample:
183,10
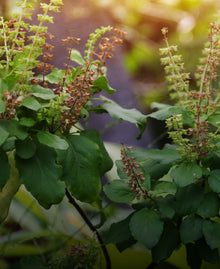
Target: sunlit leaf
43,93
76,56
52,140
31,103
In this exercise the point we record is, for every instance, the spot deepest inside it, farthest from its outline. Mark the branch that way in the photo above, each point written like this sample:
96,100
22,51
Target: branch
91,226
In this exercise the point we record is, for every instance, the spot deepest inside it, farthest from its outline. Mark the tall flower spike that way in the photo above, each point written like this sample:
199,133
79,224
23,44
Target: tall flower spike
135,176
174,68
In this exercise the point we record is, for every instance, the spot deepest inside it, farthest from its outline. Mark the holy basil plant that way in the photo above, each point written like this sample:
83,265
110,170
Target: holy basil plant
42,145
175,192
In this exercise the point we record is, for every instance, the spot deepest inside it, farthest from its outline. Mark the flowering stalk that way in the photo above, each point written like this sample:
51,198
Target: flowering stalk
135,177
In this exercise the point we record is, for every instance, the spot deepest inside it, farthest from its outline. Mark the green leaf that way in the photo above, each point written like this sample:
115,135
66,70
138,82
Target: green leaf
164,156
214,180
213,119
14,129
164,188
169,111
3,134
131,115
52,140
101,83
146,227
76,56
186,174
40,175
209,206
165,206
81,168
191,228
107,162
193,257
120,234
167,243
188,199
43,93
31,103
155,169
25,149
211,231
55,76
2,106
28,122
4,168
3,86
119,191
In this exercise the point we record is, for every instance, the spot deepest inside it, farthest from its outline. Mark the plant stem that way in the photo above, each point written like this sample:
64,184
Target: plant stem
92,228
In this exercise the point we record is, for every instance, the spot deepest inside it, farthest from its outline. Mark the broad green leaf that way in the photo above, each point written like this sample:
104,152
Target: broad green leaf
193,256
211,231
3,134
2,106
9,144
31,103
28,122
169,111
214,180
159,106
76,56
131,115
119,191
4,168
165,206
101,83
43,93
191,228
164,156
188,199
40,175
209,206
3,86
155,169
186,174
10,189
120,234
14,129
107,162
81,168
214,119
146,227
55,76
164,188
25,149
167,243
52,140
